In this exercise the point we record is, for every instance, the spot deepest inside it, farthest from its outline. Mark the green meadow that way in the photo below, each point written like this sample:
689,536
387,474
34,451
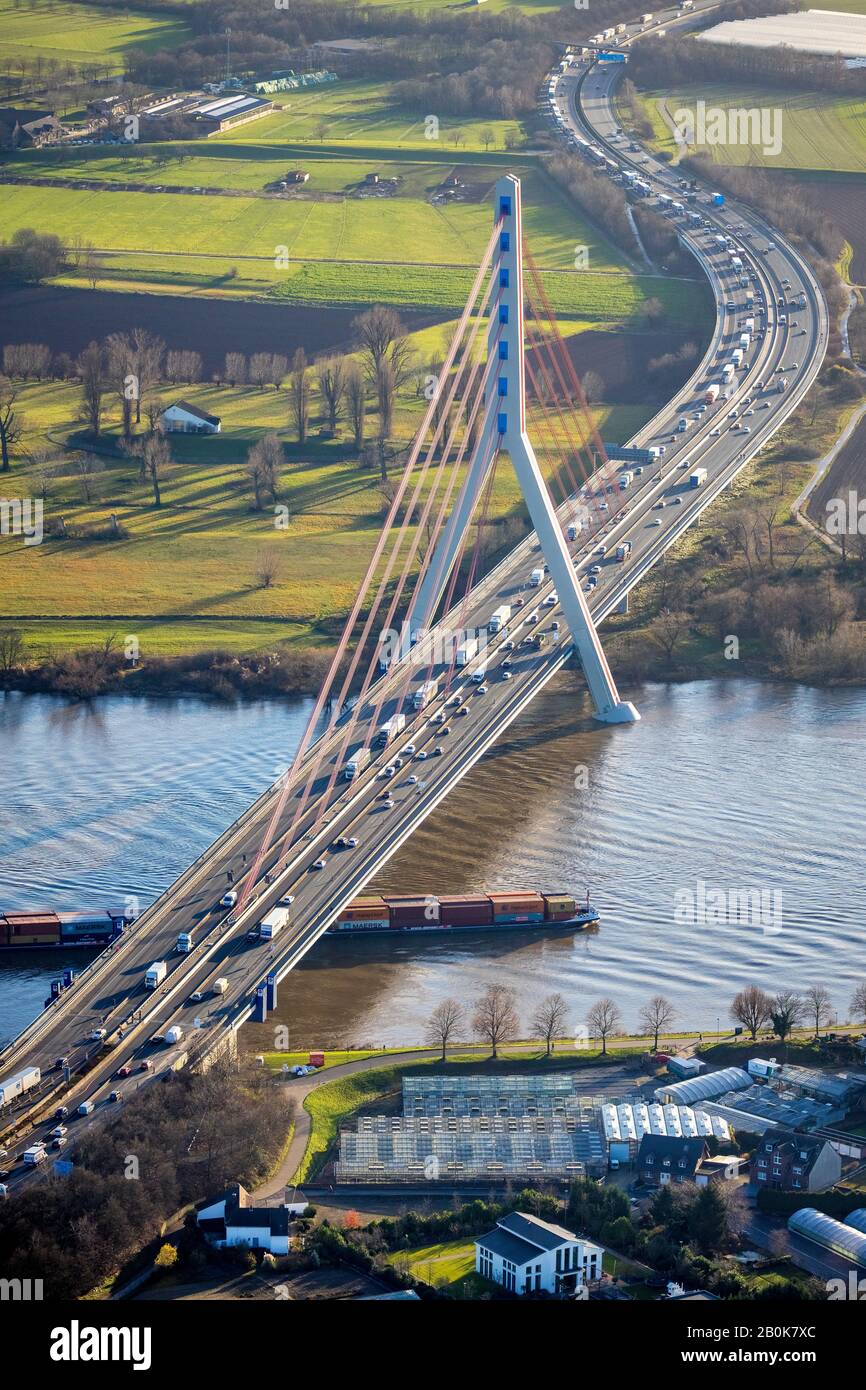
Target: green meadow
81,34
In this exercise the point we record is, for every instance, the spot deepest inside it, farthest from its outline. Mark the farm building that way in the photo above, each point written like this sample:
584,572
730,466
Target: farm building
226,112
184,418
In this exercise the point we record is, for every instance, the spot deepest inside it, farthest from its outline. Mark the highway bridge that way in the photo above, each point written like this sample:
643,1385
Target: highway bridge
285,845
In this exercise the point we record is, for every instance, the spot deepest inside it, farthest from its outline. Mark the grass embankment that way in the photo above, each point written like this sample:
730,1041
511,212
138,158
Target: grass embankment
331,1104
818,131
82,35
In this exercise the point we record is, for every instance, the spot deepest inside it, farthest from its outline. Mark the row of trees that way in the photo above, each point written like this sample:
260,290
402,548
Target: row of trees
495,1020
790,1009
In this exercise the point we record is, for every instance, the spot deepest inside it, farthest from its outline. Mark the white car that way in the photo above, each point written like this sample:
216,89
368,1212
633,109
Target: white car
506,675
98,1034
751,410
732,414
409,750
319,864
352,842
288,898
550,600
229,899
438,717
482,690
421,757
508,646
717,430
656,521
601,550
411,780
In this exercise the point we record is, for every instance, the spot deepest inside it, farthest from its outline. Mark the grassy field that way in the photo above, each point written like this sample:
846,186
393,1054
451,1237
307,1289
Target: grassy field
184,578
366,117
80,34
449,1266
818,131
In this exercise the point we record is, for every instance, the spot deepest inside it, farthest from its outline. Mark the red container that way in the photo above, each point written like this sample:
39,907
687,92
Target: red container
317,1059
466,910
364,910
413,912
565,915
510,904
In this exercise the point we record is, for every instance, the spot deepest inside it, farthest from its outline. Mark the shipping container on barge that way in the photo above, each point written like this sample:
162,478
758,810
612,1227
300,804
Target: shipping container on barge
465,912
37,930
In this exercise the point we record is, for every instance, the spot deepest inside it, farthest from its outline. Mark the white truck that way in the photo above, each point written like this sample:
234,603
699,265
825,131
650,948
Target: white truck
623,551
536,578
356,764
221,985
272,924
697,477
155,975
711,394
737,357
424,694
625,479
745,340
173,1034
573,530
390,729
728,371
15,1086
35,1154
466,651
499,617
184,943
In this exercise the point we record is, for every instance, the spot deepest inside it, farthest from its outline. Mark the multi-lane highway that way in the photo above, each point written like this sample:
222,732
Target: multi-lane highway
379,814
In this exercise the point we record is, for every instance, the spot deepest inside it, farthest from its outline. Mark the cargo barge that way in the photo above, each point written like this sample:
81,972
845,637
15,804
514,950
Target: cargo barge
39,930
526,909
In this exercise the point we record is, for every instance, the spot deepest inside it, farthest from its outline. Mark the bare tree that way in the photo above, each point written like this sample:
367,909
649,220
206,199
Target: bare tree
667,629
12,649
593,386
603,1019
549,1019
488,137
495,1017
91,371
120,359
787,1013
235,372
657,1017
149,354
444,1023
268,567
299,394
753,1008
858,1002
87,467
157,457
11,423
382,335
264,464
818,1004
356,400
260,369
332,385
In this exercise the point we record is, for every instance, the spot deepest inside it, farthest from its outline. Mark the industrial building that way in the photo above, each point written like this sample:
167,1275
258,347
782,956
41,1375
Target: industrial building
838,1236
760,1108
552,1094
625,1124
698,1089
527,1255
843,1089
226,112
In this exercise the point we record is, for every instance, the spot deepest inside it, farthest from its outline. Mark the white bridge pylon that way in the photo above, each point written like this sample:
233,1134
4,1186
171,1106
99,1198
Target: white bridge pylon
504,428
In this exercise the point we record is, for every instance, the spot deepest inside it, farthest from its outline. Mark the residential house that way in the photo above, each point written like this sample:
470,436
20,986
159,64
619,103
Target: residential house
232,1219
527,1255
663,1159
790,1162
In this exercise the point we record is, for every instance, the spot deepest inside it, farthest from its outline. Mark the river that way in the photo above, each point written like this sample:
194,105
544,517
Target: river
730,784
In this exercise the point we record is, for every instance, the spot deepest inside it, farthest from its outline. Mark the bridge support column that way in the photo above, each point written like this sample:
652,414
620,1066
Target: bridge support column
272,992
506,331
260,1007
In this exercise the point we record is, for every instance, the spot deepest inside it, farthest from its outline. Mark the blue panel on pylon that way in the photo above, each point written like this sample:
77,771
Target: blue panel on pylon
503,278
503,313
502,422
505,241
504,207
503,386
503,352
